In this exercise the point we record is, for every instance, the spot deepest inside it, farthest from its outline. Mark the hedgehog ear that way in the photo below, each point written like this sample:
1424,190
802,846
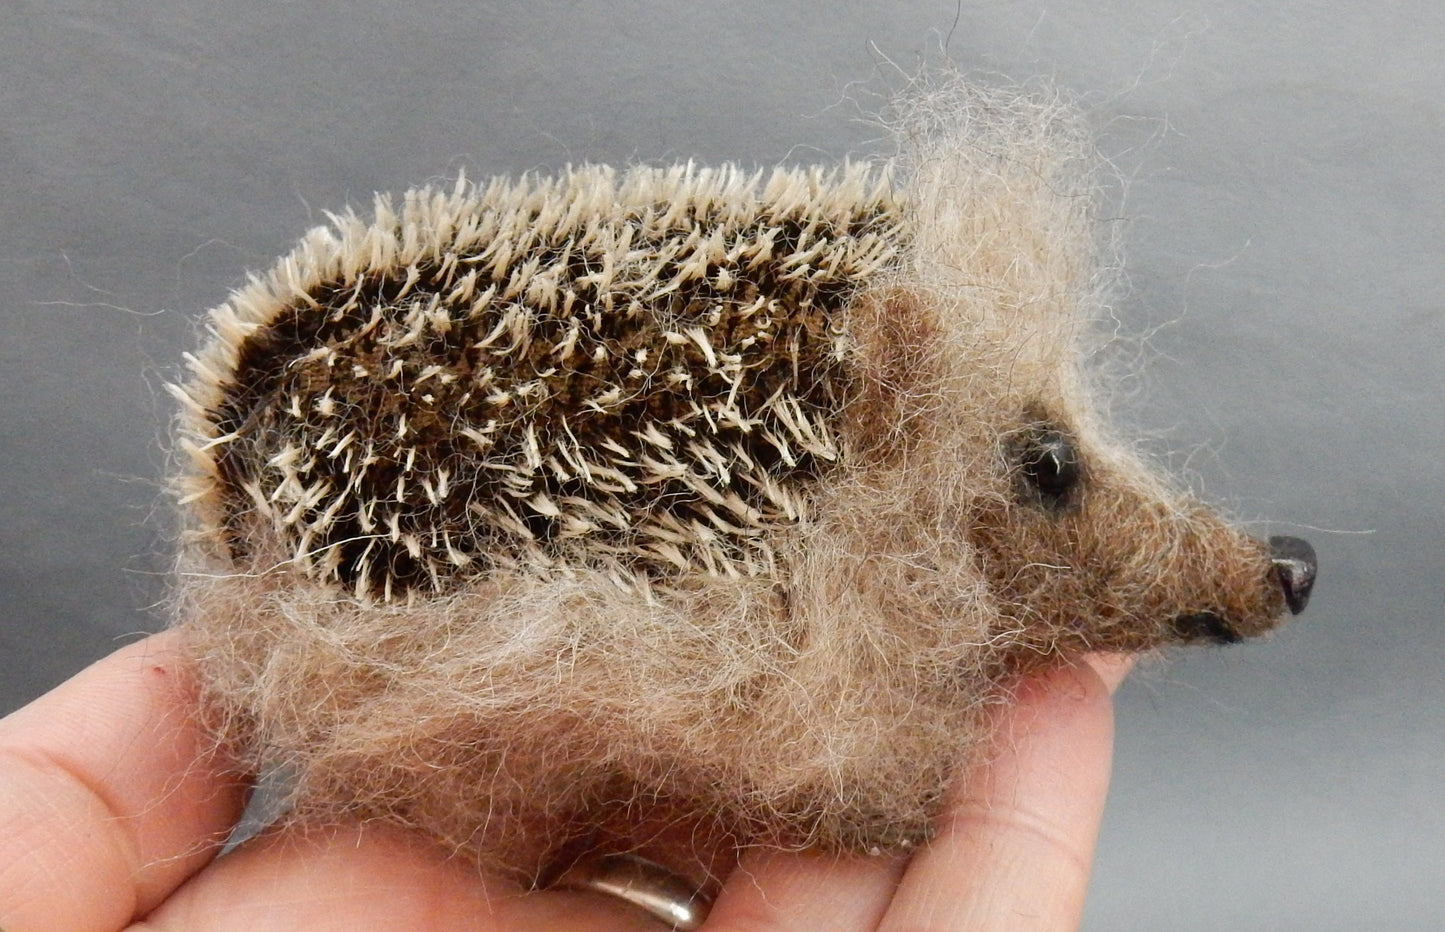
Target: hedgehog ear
893,364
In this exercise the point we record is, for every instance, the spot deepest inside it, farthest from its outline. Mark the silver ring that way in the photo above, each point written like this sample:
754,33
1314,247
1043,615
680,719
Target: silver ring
643,883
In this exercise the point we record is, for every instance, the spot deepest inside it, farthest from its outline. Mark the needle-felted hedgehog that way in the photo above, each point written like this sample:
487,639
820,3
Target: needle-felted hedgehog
521,513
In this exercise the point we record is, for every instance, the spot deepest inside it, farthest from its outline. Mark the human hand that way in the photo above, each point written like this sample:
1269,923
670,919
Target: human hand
113,808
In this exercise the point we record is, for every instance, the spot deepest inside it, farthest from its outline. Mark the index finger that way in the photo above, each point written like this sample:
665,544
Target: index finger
1014,847
109,794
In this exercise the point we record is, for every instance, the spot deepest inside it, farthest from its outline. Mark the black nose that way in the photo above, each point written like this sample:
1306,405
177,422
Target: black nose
1295,566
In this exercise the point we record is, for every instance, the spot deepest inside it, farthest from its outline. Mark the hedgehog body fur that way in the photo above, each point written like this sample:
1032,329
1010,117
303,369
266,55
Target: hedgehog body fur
523,512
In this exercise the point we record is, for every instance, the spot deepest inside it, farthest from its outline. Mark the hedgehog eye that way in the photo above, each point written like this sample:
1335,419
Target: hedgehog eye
1050,467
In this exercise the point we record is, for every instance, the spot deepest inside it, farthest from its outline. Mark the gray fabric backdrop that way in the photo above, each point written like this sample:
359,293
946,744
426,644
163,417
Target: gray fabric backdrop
1284,229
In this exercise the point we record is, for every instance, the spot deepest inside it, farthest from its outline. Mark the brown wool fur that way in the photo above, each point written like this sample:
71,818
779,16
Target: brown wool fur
533,511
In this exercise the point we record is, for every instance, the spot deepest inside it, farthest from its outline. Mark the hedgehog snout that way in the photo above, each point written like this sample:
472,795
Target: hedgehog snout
1292,566
1292,560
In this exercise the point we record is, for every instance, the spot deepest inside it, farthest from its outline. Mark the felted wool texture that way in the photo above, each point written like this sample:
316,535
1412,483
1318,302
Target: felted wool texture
523,513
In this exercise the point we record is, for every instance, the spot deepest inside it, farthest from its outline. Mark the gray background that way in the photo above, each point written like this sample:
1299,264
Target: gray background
1283,226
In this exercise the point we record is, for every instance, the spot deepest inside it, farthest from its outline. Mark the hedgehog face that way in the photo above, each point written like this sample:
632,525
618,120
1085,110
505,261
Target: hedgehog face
1062,567
1079,545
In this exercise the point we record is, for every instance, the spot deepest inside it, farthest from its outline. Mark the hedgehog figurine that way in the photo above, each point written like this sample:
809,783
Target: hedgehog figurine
530,513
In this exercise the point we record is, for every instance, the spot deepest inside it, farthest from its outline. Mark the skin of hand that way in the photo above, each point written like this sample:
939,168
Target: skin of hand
113,808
